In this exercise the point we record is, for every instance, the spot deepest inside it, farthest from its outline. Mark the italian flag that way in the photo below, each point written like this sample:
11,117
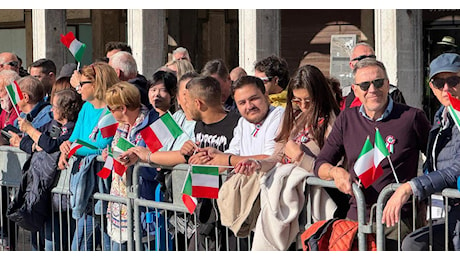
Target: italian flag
76,47
79,144
189,201
123,145
108,125
163,130
14,92
205,182
380,153
454,109
108,166
364,166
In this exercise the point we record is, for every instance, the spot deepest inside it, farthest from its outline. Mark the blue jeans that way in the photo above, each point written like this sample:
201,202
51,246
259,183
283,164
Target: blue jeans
52,228
83,236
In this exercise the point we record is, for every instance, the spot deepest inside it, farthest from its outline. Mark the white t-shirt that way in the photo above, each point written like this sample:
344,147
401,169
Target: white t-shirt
247,142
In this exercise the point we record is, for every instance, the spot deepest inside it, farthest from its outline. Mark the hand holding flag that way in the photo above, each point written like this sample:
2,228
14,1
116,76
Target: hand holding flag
79,144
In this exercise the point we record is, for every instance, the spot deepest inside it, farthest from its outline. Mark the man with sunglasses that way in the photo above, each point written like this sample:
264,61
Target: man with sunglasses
362,51
441,167
274,72
405,132
9,61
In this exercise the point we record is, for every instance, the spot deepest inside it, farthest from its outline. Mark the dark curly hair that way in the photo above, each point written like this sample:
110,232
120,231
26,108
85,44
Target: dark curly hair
69,102
274,66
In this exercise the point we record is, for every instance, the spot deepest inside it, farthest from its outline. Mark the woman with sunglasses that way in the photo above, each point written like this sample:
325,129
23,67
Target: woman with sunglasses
94,80
308,119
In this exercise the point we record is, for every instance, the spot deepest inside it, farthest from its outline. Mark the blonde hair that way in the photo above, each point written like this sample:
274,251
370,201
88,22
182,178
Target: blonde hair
123,94
102,75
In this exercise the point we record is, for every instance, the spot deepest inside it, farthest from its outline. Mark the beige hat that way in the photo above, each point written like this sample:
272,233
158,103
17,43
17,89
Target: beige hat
448,40
239,203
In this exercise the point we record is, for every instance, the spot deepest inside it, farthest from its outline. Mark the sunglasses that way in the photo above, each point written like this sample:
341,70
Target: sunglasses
363,57
378,83
299,101
266,79
12,64
451,82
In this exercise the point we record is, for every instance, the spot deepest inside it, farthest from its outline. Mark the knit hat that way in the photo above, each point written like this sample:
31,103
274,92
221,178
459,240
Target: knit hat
446,62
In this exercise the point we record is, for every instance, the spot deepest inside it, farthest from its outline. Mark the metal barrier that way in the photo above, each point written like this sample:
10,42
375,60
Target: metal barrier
363,227
386,193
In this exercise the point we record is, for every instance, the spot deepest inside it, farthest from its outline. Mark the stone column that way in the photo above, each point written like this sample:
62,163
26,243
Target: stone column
47,26
398,44
259,36
147,36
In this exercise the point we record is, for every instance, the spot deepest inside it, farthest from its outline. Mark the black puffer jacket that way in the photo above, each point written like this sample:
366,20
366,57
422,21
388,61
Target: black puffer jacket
31,205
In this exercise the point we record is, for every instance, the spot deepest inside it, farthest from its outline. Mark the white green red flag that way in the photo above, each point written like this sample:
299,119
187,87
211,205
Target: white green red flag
108,165
205,181
454,109
364,166
76,47
123,145
380,153
107,125
77,144
189,201
14,92
162,131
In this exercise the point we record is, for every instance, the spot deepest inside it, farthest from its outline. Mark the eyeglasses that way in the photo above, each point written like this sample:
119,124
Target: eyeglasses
84,82
378,83
298,101
363,57
111,109
12,64
451,82
266,79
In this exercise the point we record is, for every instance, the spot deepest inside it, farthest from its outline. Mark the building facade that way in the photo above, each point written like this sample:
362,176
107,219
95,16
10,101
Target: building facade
406,40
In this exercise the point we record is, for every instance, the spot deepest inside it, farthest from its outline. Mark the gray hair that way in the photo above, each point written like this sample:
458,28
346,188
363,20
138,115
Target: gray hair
125,62
7,77
368,62
180,50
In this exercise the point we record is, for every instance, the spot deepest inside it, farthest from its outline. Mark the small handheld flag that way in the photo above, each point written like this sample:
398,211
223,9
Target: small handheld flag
161,131
205,181
108,165
15,94
189,201
79,144
76,47
364,166
454,109
107,125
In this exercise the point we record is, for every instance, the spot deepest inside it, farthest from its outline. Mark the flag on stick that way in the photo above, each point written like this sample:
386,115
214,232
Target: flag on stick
108,165
15,94
364,166
76,47
454,109
161,131
79,144
108,125
205,181
380,152
189,201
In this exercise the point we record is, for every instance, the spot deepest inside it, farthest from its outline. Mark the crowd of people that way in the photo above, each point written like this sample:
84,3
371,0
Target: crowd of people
259,126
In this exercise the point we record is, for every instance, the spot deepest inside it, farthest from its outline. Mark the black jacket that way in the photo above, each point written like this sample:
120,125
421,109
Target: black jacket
31,205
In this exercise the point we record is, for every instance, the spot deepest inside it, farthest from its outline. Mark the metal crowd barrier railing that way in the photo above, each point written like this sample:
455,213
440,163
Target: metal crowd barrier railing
384,196
363,227
173,214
